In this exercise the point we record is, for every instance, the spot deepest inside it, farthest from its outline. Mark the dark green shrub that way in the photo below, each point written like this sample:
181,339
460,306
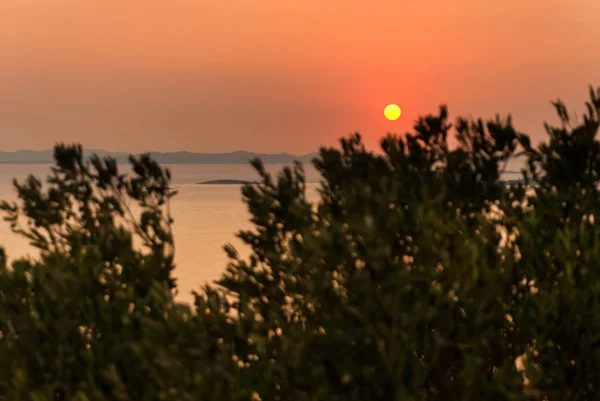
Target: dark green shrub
418,275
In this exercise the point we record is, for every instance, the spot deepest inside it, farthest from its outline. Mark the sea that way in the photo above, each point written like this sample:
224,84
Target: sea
206,216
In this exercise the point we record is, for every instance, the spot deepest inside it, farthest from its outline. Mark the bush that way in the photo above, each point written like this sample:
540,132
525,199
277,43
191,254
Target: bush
418,275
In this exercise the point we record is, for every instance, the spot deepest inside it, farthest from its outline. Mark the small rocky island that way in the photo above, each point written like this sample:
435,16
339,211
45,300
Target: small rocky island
227,182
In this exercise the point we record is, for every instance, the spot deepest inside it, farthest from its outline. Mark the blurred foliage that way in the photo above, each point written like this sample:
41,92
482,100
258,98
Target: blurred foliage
418,275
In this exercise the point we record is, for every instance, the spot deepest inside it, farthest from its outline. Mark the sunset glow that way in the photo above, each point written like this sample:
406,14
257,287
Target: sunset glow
165,74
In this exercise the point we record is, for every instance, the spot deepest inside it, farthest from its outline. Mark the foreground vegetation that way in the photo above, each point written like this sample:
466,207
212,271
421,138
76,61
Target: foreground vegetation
417,276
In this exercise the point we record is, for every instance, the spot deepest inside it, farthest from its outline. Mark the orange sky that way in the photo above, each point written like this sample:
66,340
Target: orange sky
280,75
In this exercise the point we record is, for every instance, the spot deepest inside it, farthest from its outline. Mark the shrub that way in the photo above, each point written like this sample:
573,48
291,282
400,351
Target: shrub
418,275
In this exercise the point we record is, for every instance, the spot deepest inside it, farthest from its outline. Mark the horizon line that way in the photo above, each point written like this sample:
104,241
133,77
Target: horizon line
170,151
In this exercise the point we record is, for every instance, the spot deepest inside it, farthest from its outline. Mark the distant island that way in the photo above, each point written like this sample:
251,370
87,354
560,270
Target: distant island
238,157
227,182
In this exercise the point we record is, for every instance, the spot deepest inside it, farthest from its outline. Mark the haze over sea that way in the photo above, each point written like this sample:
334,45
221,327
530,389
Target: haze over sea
206,216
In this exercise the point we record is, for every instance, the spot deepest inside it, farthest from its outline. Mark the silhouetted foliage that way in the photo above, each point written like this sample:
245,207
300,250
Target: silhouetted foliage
419,275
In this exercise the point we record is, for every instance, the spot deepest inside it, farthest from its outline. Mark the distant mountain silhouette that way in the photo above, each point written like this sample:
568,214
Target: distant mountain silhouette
238,157
227,182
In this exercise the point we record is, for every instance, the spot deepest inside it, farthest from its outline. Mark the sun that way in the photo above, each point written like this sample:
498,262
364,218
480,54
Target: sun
392,112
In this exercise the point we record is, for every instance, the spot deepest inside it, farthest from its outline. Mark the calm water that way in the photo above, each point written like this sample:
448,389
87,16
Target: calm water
206,216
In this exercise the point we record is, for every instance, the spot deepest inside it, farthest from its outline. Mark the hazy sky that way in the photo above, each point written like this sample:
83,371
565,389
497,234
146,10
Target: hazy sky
280,75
